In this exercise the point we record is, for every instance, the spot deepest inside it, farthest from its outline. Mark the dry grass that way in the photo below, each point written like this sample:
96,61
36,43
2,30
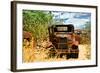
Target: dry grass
84,52
41,54
88,51
37,54
28,51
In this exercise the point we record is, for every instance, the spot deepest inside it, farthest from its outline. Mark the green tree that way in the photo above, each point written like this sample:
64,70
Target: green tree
88,26
37,23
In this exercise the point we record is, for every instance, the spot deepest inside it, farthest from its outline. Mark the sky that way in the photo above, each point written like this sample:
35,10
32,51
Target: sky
78,19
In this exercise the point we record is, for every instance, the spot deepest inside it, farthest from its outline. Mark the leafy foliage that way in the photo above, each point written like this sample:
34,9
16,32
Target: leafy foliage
36,22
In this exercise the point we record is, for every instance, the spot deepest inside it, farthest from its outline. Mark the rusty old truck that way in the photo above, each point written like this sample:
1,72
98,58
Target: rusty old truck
65,41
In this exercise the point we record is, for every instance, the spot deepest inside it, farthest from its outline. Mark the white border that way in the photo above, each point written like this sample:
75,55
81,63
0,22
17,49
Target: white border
21,65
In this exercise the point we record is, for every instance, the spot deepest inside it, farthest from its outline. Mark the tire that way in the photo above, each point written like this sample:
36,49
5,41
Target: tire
74,55
52,52
61,55
76,52
68,56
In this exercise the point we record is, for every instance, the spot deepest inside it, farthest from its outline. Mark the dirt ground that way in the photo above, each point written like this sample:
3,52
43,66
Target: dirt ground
84,52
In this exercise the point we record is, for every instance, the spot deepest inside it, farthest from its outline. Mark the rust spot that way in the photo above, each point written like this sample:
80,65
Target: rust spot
27,35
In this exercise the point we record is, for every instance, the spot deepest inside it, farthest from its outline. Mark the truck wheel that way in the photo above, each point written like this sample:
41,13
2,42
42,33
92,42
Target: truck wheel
52,52
76,51
74,55
68,56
